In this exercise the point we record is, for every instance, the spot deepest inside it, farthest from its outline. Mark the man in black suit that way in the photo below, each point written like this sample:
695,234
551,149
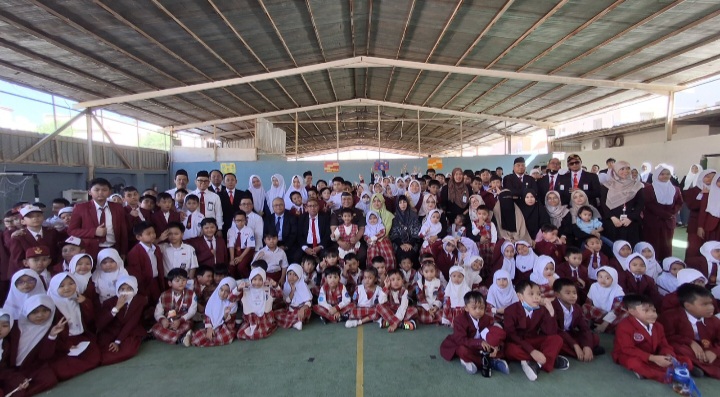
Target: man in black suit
577,179
230,201
285,224
518,182
609,163
549,181
313,230
216,180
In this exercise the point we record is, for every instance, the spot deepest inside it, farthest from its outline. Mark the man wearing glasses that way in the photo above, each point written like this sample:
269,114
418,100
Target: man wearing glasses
549,181
577,179
210,205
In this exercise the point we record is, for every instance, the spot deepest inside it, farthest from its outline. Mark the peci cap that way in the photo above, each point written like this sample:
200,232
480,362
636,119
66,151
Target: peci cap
34,252
29,209
202,174
574,157
181,172
519,160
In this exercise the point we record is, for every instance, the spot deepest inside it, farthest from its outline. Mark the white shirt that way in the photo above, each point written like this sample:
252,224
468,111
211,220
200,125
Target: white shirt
177,299
153,260
693,323
572,176
276,259
194,219
182,257
479,334
172,191
247,238
255,222
110,235
648,327
335,201
362,299
309,240
567,320
36,235
213,207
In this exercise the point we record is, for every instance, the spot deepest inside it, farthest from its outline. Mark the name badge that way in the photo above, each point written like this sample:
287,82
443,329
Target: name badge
562,187
210,206
585,187
464,199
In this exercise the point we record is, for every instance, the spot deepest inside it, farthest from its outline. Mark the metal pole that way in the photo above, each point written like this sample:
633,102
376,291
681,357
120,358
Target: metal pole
379,133
418,128
669,118
296,136
214,143
461,137
91,155
337,131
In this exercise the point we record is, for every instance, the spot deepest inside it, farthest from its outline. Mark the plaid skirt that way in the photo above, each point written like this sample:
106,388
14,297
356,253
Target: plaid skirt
595,314
224,335
167,335
359,313
256,327
387,312
449,313
425,317
381,248
486,252
286,318
325,313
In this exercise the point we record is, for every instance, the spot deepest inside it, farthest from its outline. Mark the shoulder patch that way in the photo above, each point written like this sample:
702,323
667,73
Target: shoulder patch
638,337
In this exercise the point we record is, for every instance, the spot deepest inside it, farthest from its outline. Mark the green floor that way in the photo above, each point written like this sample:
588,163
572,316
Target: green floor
322,360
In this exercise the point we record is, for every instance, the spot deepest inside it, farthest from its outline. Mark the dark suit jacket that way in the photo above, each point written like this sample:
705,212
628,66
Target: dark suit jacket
289,228
543,186
212,189
586,179
323,226
464,335
228,209
517,187
579,326
85,220
519,327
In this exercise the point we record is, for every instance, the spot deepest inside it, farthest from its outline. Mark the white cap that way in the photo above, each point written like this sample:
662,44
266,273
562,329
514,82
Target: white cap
74,241
66,210
28,209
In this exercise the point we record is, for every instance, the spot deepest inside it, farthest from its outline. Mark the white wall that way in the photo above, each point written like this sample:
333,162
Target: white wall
688,145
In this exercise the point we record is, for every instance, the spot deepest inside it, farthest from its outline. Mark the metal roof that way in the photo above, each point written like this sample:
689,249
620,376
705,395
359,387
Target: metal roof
89,50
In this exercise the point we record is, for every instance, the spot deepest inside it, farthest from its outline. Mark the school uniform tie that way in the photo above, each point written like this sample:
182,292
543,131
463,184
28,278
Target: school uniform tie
212,249
102,215
552,182
230,194
314,234
202,203
575,180
189,222
712,277
594,261
574,273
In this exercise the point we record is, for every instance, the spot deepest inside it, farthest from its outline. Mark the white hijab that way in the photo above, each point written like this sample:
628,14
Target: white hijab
82,280
456,292
257,298
215,309
604,297
258,194
688,276
363,206
105,282
537,275
692,177
11,320
470,247
653,267
525,263
501,298
414,197
664,191
646,174
16,299
303,193
667,283
132,282
302,293
31,334
373,230
706,251
428,228
275,192
69,307
713,206
701,184
624,262
508,263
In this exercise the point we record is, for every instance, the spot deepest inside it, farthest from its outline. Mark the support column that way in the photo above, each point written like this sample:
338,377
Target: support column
418,131
337,131
461,137
379,133
214,143
670,117
90,154
296,136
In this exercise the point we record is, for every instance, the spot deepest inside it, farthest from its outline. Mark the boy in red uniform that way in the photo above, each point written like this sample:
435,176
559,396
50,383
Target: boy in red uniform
693,331
397,310
175,309
165,214
578,340
32,235
594,258
550,245
145,262
640,344
334,303
573,269
474,332
532,332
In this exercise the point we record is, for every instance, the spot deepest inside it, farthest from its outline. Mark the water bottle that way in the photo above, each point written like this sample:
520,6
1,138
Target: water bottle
486,367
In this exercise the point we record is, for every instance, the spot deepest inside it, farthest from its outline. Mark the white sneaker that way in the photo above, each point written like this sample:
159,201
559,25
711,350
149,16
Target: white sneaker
470,367
445,321
298,325
352,323
529,370
187,339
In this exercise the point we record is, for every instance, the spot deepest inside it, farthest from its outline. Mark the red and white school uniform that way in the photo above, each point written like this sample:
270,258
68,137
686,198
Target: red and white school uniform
75,332
636,342
337,298
192,224
454,304
378,242
489,232
397,309
177,308
430,294
529,330
707,264
239,241
106,282
538,276
160,220
182,257
409,277
122,327
258,318
346,234
605,303
499,298
350,280
593,261
642,285
573,328
524,263
302,297
276,262
366,302
468,334
682,328
146,264
211,251
219,316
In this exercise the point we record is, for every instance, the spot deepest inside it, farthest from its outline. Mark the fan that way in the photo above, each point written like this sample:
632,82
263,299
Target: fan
596,144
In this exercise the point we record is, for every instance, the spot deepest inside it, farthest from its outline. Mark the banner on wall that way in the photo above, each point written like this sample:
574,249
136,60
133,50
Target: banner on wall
381,165
228,168
332,167
435,163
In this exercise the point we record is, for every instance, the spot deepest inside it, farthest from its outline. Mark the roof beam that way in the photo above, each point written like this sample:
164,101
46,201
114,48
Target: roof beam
362,61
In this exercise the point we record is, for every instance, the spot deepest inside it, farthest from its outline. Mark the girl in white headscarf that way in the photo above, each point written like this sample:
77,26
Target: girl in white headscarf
648,252
255,188
454,295
524,261
544,275
604,300
506,261
646,172
364,203
501,293
110,268
120,331
662,203
219,316
667,282
414,193
691,179
81,269
257,301
296,185
709,216
431,228
693,199
277,189
24,284
622,250
298,298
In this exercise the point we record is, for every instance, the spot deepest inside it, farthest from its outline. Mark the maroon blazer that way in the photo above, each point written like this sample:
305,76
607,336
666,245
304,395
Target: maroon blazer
126,323
85,220
41,354
18,246
443,261
464,335
632,340
706,220
690,199
587,256
157,219
579,327
131,221
564,270
671,302
203,253
646,286
557,252
519,327
679,331
138,264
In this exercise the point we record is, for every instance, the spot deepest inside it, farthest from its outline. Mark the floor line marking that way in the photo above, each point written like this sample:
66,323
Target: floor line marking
359,392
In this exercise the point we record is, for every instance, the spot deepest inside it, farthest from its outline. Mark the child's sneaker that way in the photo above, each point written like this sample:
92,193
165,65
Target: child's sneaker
697,373
344,317
409,325
323,320
352,323
598,351
530,370
298,325
470,367
500,365
186,340
383,324
637,375
562,363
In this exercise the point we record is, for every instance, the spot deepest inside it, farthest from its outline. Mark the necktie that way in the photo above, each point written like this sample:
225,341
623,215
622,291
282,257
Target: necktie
37,237
202,203
552,182
594,261
189,222
574,273
212,248
575,181
712,277
277,224
701,330
314,234
231,196
102,216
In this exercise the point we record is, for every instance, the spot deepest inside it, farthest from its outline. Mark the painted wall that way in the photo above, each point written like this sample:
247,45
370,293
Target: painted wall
269,165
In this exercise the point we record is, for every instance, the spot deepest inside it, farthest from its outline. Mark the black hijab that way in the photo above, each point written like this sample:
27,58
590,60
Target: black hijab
507,211
535,215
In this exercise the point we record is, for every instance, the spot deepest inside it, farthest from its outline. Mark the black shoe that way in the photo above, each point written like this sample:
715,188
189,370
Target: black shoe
697,373
322,320
344,318
598,351
562,363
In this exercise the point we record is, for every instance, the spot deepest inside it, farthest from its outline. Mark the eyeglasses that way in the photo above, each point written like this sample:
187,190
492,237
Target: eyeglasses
202,181
574,163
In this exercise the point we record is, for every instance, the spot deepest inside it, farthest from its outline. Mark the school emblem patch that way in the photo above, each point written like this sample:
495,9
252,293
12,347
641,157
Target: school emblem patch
638,337
38,250
706,344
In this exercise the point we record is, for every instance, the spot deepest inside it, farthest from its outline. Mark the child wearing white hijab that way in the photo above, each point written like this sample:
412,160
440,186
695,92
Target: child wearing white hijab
501,293
544,275
667,282
81,269
603,305
257,297
298,299
454,295
473,264
219,317
524,261
24,284
622,251
119,329
648,252
506,261
110,268
430,228
296,185
255,188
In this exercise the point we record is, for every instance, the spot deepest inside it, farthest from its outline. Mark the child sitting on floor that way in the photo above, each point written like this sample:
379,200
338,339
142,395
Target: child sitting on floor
457,229
487,231
366,298
334,303
667,282
648,252
397,310
257,301
220,312
603,306
378,242
347,232
455,290
430,229
472,267
175,309
637,282
578,340
430,295
501,294
544,275
298,299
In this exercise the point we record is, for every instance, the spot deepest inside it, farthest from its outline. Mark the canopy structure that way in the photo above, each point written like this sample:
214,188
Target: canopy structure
416,76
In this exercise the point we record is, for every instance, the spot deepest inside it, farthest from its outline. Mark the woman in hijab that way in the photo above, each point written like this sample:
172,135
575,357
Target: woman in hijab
662,203
455,196
429,204
510,221
257,192
559,214
533,212
622,203
404,231
688,182
709,217
277,189
119,320
693,197
579,199
646,172
377,204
